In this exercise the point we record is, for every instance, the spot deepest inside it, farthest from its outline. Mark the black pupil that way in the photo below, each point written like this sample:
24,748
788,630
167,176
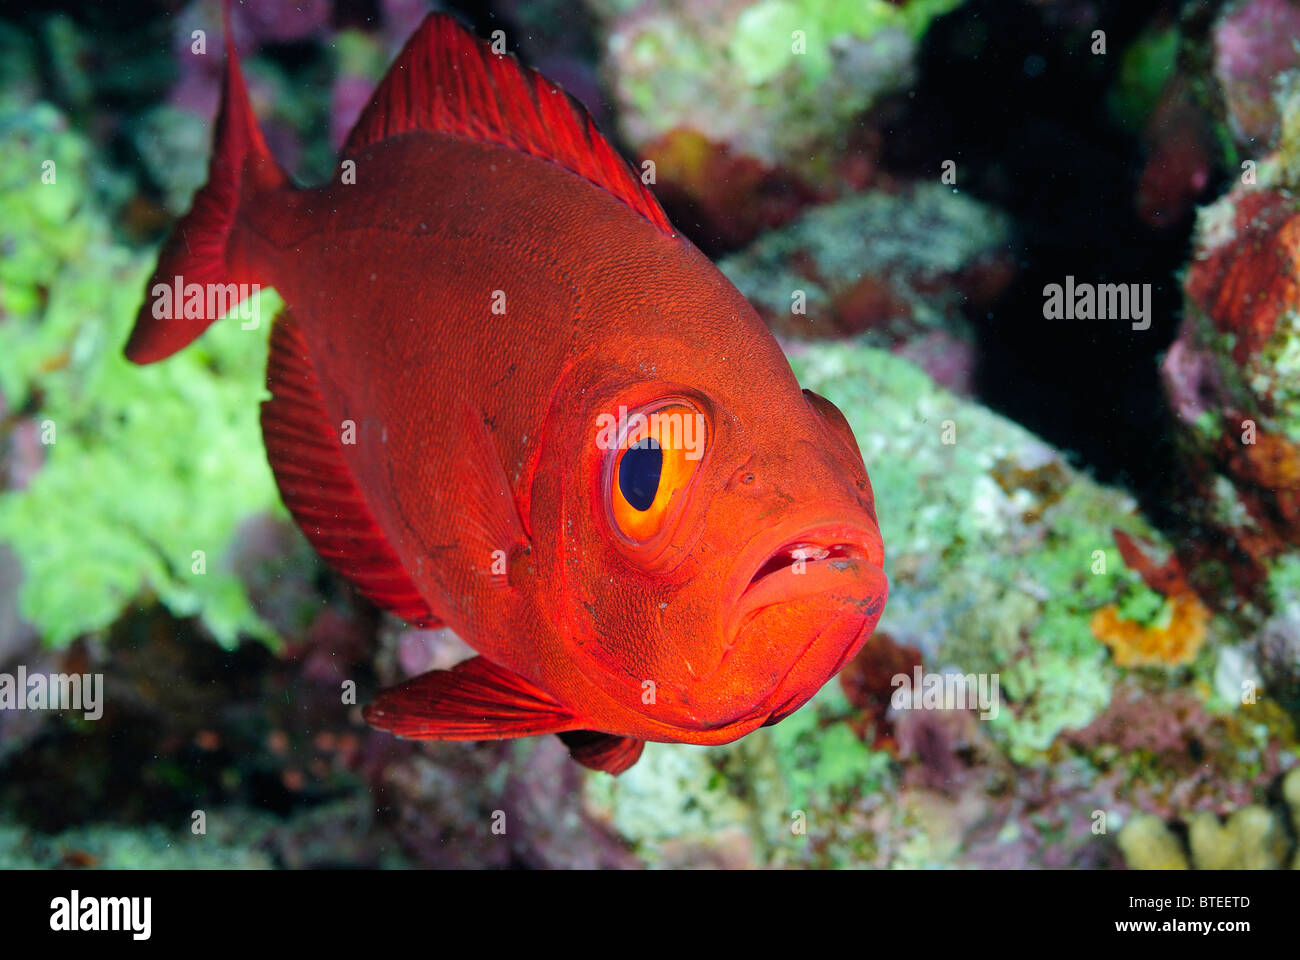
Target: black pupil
638,473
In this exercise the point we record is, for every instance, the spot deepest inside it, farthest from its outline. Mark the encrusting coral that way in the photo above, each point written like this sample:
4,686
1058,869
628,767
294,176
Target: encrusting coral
1176,640
1251,838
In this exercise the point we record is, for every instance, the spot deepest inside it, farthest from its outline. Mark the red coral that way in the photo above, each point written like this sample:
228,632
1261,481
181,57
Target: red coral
1249,279
1167,755
936,740
1267,478
870,304
1167,579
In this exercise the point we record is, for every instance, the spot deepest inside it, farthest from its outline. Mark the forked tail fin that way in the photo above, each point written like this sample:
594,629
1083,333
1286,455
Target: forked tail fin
196,251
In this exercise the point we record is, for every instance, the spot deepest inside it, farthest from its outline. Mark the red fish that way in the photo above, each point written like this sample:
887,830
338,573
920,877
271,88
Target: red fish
507,396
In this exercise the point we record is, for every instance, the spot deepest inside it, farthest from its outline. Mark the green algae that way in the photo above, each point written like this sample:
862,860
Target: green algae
1284,579
761,44
821,758
148,470
1274,375
674,791
356,53
783,789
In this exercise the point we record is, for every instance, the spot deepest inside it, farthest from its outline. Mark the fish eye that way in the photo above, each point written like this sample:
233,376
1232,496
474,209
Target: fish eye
650,469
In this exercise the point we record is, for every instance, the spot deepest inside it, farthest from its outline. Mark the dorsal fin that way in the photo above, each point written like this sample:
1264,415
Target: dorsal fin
446,80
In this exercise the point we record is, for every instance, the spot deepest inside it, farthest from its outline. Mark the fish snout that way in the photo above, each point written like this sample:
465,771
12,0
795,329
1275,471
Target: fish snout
802,598
806,612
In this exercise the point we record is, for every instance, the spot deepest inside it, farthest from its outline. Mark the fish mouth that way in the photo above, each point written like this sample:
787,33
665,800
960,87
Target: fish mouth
831,579
804,596
791,564
805,551
798,600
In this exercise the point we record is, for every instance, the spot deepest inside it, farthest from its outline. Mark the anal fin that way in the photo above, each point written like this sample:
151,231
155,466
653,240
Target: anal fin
603,751
317,485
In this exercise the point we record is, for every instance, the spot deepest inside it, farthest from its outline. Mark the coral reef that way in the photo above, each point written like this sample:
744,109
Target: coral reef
904,268
1162,750
1231,375
1150,845
795,76
111,511
983,518
726,199
1176,639
1254,46
1231,378
1169,636
226,846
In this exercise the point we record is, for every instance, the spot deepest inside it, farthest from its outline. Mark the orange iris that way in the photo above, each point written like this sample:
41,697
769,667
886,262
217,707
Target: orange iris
652,468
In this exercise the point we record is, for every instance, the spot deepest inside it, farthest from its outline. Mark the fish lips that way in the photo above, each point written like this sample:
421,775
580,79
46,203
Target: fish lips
808,602
796,562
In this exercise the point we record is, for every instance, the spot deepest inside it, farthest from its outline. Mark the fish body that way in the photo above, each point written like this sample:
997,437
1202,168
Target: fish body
508,397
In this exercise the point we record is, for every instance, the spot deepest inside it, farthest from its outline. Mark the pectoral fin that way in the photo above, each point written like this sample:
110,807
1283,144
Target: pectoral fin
478,700
474,700
491,524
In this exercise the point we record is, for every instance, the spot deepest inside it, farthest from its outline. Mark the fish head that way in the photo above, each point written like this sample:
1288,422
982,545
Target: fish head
717,542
